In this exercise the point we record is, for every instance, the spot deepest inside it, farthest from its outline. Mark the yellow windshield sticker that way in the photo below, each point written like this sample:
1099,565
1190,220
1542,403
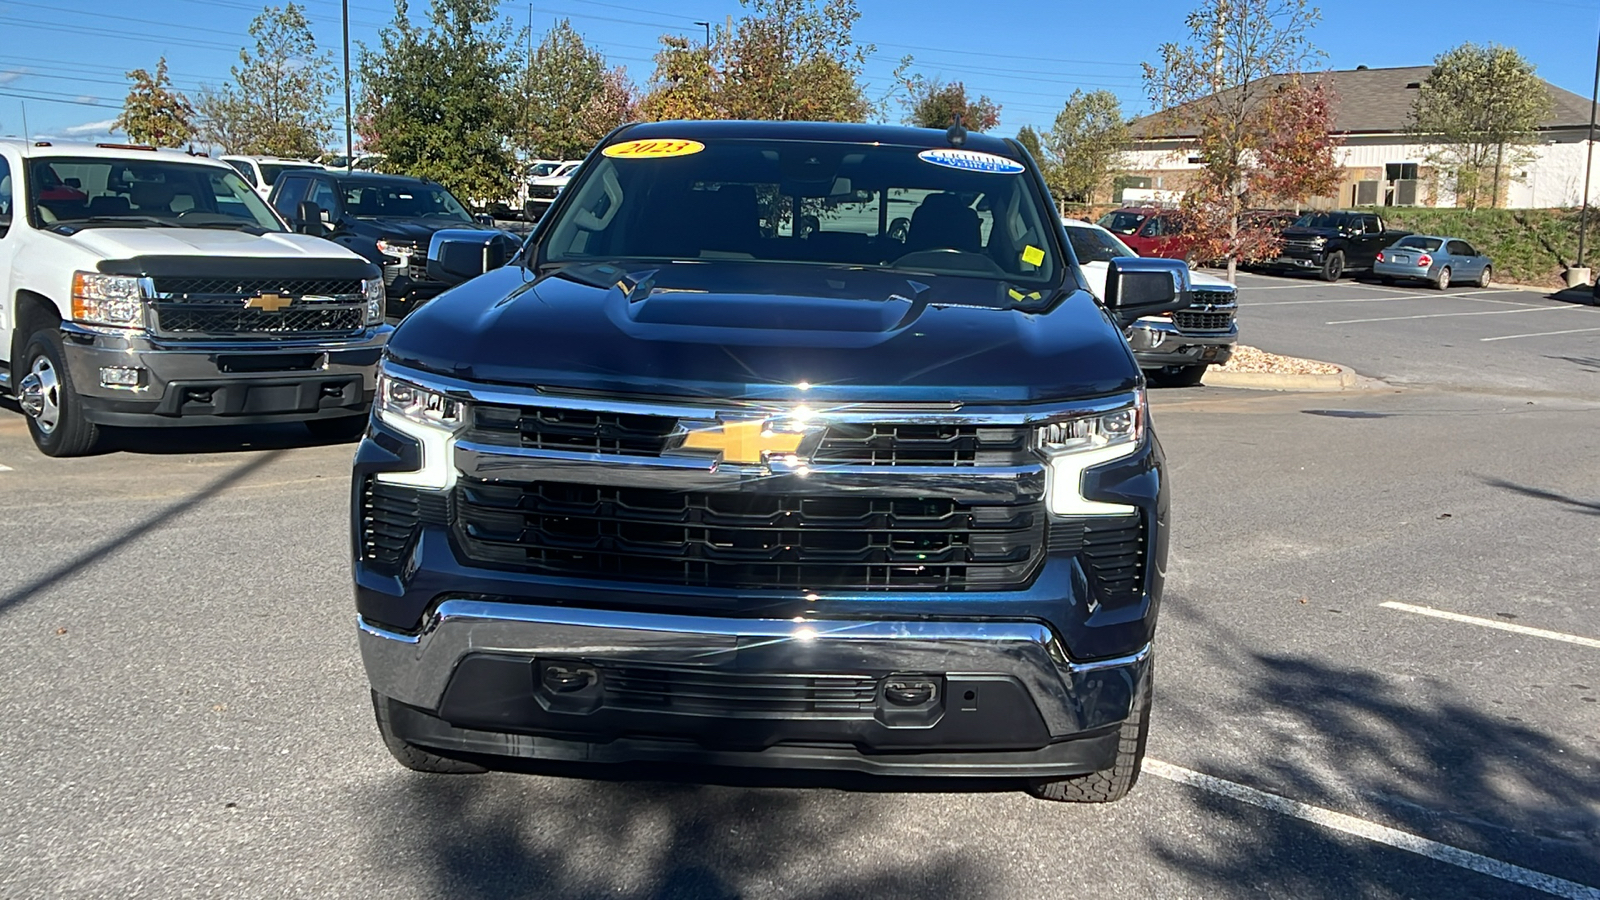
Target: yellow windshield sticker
653,149
1016,294
1032,255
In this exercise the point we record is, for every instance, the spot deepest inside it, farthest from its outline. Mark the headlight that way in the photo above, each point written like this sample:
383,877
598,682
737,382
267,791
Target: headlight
1073,445
107,299
401,251
372,289
428,416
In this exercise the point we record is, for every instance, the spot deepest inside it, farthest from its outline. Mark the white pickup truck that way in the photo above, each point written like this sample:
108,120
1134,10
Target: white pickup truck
144,287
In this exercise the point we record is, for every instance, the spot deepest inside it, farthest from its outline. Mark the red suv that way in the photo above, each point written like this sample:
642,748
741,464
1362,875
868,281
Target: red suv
1149,231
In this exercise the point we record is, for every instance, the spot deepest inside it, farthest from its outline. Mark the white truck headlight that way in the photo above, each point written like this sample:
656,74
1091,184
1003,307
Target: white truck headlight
430,417
107,300
372,289
1074,444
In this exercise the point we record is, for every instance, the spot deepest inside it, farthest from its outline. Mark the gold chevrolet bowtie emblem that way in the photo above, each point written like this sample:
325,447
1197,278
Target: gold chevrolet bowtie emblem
744,443
269,302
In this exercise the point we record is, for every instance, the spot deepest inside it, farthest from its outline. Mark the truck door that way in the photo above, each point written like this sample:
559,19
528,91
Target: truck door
11,222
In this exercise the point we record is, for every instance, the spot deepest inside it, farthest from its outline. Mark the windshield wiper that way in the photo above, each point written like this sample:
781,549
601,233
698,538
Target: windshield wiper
73,226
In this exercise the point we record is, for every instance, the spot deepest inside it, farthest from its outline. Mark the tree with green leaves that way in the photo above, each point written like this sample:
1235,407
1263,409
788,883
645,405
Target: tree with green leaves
569,99
1219,83
154,113
436,99
789,60
277,104
1479,112
1085,145
685,83
931,103
1030,139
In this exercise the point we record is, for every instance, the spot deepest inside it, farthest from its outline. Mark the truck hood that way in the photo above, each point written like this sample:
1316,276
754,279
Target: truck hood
734,331
122,243
1094,277
1306,231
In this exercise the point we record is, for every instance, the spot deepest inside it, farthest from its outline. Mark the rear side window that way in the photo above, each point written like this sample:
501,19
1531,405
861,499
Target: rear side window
1429,245
1121,222
245,170
5,196
1460,248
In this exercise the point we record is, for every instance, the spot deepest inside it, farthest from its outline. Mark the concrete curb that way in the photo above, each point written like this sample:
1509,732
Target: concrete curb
1345,379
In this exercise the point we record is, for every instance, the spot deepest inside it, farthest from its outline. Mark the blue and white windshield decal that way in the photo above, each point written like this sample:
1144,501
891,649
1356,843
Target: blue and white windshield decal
971,161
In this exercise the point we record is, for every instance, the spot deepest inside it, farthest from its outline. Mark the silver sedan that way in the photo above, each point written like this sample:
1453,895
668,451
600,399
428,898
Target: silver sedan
1440,260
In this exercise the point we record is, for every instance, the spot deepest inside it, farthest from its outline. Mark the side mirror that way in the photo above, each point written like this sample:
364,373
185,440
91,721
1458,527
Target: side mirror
309,218
461,254
1139,286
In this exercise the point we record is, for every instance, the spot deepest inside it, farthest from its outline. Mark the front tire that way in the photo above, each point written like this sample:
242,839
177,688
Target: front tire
55,413
1178,376
413,757
1487,278
342,429
1111,784
1333,266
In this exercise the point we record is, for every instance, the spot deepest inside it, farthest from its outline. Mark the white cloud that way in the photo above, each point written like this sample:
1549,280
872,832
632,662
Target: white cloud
11,75
101,127
90,100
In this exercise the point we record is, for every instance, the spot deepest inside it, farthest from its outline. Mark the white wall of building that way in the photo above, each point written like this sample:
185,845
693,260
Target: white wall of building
1554,177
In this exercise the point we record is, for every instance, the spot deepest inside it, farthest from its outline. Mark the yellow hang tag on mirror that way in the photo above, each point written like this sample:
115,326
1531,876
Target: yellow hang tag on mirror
1032,255
660,148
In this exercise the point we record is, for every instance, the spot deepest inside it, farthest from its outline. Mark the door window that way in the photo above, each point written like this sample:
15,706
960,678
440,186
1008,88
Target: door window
5,197
323,195
1370,224
290,193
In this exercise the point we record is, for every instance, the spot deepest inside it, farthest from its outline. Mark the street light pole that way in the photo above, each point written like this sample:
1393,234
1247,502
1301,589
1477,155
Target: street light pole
1588,162
708,31
349,140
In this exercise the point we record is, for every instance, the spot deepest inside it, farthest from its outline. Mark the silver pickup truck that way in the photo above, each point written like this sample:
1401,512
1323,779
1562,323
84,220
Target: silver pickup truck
1173,350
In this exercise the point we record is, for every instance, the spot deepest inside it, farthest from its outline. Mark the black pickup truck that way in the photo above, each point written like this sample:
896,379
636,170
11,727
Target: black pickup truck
1333,243
766,449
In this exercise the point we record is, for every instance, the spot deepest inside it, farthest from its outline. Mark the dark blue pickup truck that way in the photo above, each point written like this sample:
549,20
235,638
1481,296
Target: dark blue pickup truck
776,444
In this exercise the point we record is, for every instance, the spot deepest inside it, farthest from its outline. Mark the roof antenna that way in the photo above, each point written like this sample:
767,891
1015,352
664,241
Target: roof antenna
957,135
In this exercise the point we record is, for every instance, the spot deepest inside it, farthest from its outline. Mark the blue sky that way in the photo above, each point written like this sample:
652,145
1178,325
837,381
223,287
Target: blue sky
67,57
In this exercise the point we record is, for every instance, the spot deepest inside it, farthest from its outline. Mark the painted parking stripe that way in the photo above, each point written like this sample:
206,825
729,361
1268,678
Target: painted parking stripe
1509,337
5,469
1492,623
1483,312
1390,298
1372,831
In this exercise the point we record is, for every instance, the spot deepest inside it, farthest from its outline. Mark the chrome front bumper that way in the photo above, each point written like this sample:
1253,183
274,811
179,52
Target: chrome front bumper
1071,697
1157,343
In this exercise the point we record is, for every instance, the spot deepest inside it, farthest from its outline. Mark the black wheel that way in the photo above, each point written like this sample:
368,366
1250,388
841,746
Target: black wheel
1333,266
44,391
410,755
1443,283
1487,278
344,428
1178,376
1114,783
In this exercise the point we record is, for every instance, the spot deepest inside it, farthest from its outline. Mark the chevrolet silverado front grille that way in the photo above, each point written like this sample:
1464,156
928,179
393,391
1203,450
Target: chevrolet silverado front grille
748,541
233,318
1199,320
887,444
206,289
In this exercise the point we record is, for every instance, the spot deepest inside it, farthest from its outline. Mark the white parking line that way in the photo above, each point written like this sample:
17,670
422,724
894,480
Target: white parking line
1372,831
1390,298
1486,312
1491,623
5,469
1508,337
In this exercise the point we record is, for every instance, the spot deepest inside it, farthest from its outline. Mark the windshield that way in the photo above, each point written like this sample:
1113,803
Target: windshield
64,190
1095,245
271,171
1420,243
402,200
804,202
1122,222
540,170
1320,220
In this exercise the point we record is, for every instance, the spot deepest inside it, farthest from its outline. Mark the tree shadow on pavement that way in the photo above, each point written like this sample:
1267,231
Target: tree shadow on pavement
130,535
517,836
1410,751
1586,507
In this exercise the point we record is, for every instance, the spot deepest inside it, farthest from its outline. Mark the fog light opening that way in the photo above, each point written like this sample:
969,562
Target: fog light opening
910,691
568,679
121,377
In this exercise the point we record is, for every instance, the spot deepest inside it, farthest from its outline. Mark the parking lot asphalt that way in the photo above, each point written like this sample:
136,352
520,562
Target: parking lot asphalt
186,714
